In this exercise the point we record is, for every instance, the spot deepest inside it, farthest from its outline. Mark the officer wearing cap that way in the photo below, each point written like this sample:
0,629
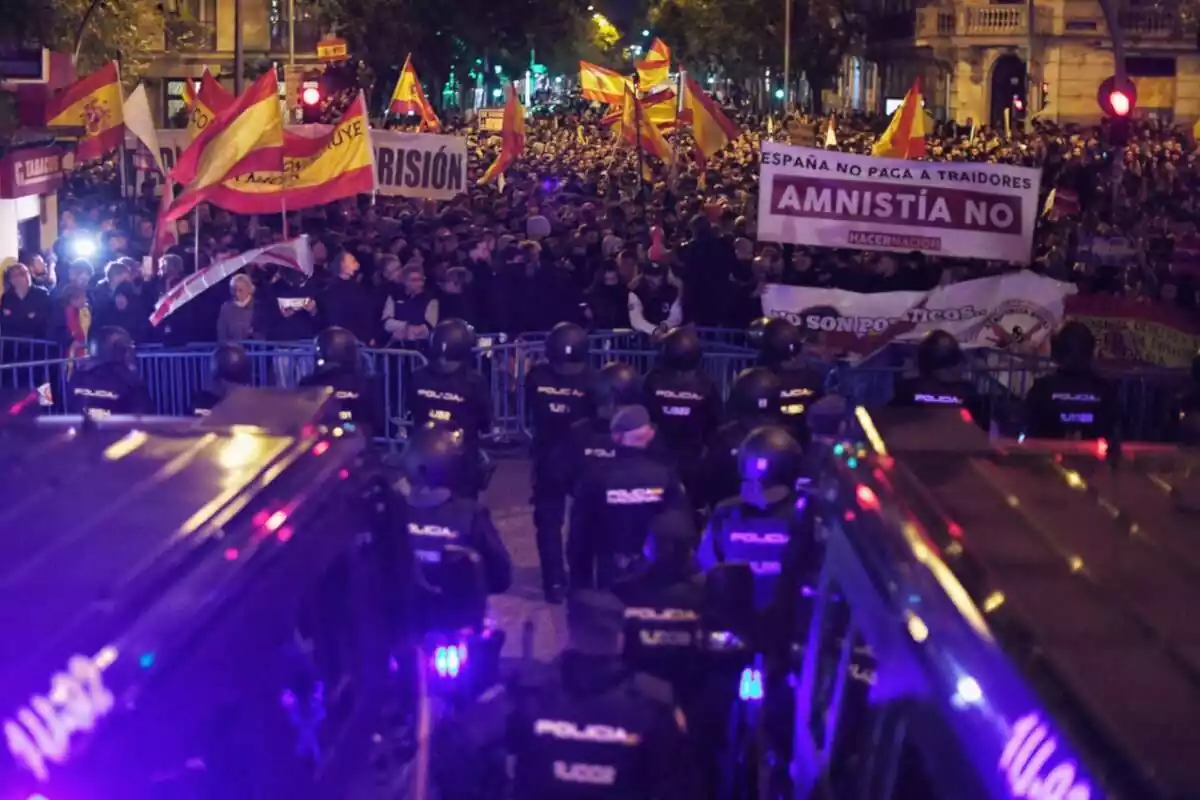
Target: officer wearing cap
587,726
110,384
1073,402
615,500
781,350
558,394
654,302
231,367
684,404
938,383
434,517
447,391
753,403
340,368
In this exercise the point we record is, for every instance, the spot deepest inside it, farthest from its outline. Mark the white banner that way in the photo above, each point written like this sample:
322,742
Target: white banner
426,165
1016,312
824,198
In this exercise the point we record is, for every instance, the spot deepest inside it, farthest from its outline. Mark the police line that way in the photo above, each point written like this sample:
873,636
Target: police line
424,165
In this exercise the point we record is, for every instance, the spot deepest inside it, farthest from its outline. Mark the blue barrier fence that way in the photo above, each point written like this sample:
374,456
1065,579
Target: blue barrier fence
175,375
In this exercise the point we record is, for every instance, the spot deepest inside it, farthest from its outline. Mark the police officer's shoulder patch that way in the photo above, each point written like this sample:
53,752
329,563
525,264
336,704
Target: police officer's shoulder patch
653,688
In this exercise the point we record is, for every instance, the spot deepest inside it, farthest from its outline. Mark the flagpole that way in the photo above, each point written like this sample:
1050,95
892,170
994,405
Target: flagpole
283,215
637,135
123,156
195,236
674,171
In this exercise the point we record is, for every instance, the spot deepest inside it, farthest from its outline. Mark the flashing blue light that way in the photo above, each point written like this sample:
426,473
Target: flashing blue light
779,94
448,660
852,463
146,660
751,689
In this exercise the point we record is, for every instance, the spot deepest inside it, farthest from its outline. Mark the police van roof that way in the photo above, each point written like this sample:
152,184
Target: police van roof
1088,569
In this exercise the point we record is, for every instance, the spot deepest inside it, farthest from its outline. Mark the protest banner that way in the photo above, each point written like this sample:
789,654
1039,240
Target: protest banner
491,119
1015,312
824,198
1131,330
426,165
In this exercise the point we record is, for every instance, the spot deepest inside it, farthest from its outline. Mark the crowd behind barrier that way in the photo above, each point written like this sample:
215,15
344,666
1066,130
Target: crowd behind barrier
174,375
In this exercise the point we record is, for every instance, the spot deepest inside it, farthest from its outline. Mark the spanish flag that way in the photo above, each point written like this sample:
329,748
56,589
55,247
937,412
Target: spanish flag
512,137
205,102
659,107
602,85
634,118
96,104
654,68
711,129
316,169
905,134
245,137
409,98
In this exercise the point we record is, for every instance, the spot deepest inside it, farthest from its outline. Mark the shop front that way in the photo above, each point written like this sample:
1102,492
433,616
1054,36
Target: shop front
29,181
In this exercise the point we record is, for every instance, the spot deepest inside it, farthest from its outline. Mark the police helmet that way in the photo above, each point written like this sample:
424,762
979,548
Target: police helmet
231,364
337,347
769,456
937,351
433,458
781,340
567,348
618,385
1073,346
112,345
451,343
755,392
681,348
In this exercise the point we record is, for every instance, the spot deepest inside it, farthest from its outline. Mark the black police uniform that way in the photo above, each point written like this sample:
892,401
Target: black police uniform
587,726
1073,402
935,385
112,385
447,392
753,403
231,368
558,393
684,403
358,394
800,385
615,501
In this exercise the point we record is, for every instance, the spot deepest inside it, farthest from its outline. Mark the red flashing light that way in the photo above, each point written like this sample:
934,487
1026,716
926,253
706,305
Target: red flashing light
310,96
866,498
955,530
260,519
285,533
1101,448
231,554
966,416
343,473
321,448
1120,103
276,520
849,516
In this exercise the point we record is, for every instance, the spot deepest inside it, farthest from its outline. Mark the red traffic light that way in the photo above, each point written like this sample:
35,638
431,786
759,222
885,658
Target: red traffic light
310,96
1117,99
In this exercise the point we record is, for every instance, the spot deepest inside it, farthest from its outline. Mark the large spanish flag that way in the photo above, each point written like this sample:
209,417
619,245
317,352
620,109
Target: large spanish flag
634,118
245,137
409,98
96,104
335,163
656,66
205,102
905,134
602,85
711,129
512,137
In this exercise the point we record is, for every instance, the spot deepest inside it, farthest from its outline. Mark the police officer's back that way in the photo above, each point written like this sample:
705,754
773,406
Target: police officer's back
1073,402
615,500
589,727
447,390
558,393
753,403
231,368
111,384
434,517
938,383
781,350
683,402
339,368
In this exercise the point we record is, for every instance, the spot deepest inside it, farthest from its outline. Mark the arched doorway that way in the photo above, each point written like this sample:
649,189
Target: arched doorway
1008,79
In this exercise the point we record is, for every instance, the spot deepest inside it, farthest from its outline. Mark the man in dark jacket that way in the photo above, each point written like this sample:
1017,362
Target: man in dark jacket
348,303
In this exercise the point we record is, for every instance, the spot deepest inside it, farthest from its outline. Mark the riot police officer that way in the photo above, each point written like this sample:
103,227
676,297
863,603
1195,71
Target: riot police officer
434,517
231,367
938,382
111,385
558,393
753,403
615,500
684,404
781,350
340,368
586,726
1073,402
447,391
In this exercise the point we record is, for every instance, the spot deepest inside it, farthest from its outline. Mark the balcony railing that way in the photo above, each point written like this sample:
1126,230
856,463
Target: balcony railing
981,21
308,33
1150,22
189,35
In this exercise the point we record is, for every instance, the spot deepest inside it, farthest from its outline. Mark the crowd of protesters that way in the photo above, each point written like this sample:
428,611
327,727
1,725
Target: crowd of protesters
572,234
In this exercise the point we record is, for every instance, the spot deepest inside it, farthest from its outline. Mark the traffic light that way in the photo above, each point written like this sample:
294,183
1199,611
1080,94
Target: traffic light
1117,99
310,103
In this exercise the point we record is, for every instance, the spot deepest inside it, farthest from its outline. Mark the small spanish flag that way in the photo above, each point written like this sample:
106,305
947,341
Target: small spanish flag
409,98
205,102
602,85
656,66
512,138
636,124
905,134
96,104
711,129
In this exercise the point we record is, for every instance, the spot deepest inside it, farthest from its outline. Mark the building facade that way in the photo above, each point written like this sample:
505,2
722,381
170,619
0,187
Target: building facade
973,56
207,40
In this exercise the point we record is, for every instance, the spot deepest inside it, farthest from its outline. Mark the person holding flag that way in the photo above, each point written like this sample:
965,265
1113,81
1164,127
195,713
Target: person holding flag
409,98
905,134
512,137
